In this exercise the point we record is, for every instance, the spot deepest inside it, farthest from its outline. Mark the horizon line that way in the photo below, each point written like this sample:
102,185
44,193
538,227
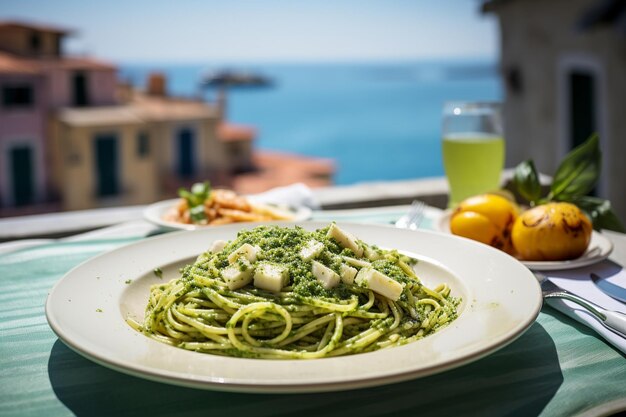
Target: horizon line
204,61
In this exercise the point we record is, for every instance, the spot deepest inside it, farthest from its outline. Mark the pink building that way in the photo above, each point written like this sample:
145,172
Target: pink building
35,80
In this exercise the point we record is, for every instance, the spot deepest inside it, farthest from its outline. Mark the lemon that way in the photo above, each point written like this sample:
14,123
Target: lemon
551,232
486,218
501,211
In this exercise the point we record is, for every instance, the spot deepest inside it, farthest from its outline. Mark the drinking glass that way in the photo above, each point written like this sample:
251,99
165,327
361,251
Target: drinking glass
472,147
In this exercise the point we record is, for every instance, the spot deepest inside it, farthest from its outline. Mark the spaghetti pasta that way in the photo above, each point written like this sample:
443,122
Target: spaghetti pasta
287,293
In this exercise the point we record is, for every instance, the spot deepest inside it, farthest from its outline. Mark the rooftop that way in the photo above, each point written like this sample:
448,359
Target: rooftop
141,108
277,169
13,64
18,24
99,116
228,132
171,108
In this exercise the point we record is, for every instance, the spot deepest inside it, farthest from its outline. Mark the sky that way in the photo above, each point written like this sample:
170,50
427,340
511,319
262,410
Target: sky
267,30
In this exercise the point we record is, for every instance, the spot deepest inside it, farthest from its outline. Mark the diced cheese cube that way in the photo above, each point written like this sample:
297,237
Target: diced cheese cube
356,262
311,250
345,239
238,275
271,277
347,274
246,250
372,254
379,283
218,246
325,275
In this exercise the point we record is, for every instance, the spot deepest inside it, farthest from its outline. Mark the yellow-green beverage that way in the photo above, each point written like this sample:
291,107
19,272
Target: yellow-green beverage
473,163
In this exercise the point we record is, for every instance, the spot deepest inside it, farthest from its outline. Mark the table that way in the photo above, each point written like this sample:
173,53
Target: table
556,368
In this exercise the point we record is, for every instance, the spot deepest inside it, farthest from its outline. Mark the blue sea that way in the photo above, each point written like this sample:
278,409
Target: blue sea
377,120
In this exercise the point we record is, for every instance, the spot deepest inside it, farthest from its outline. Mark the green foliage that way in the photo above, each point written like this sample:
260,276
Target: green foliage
526,181
575,177
578,172
196,197
600,212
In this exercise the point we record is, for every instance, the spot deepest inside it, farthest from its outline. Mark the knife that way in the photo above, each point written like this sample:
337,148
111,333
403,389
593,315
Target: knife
612,320
610,289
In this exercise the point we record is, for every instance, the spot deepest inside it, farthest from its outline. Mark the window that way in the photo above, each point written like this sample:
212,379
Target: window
143,144
107,163
22,175
582,86
186,144
35,42
17,96
57,45
80,91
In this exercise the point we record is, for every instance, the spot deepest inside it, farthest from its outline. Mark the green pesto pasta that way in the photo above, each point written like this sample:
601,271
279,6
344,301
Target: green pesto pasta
287,293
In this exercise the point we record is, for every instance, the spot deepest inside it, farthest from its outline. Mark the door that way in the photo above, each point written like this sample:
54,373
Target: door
107,165
186,166
23,185
582,121
80,93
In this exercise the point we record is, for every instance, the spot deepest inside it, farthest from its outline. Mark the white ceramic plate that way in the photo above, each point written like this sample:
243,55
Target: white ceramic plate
599,249
87,308
154,214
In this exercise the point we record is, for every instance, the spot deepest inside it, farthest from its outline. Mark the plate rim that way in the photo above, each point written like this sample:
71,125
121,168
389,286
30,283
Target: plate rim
604,243
152,213
166,376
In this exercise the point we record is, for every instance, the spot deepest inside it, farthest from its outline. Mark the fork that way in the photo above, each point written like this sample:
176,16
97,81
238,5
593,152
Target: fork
612,320
414,217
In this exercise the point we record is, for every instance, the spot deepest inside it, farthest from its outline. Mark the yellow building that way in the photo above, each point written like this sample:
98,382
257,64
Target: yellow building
138,152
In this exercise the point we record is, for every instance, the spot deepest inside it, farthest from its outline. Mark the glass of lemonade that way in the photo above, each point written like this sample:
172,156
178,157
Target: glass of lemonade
472,147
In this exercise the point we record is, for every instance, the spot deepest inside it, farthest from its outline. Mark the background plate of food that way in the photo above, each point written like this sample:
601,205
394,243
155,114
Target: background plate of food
202,207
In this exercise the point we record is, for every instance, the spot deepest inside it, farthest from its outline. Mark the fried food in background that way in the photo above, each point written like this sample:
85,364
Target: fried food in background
205,206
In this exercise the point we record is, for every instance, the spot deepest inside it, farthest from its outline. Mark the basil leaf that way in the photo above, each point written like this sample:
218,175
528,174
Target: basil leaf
182,193
526,181
578,172
600,212
198,194
197,213
201,191
200,188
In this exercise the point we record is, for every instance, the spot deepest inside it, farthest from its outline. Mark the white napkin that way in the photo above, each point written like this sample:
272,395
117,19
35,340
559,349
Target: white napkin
294,195
578,281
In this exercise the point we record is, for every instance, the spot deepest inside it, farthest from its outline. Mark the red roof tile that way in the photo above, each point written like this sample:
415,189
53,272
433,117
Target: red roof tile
228,132
10,64
276,169
13,64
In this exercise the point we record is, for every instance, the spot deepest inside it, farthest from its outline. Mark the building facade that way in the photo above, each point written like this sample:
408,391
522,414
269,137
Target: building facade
563,64
72,137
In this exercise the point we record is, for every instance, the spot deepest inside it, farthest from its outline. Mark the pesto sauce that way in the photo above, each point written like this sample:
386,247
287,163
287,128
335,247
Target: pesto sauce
282,246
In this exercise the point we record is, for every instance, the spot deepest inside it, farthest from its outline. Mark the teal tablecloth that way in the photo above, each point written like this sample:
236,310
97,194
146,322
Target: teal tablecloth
557,368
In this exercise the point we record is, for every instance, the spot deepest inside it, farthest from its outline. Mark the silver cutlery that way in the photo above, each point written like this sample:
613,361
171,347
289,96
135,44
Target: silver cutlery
612,320
610,289
414,217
